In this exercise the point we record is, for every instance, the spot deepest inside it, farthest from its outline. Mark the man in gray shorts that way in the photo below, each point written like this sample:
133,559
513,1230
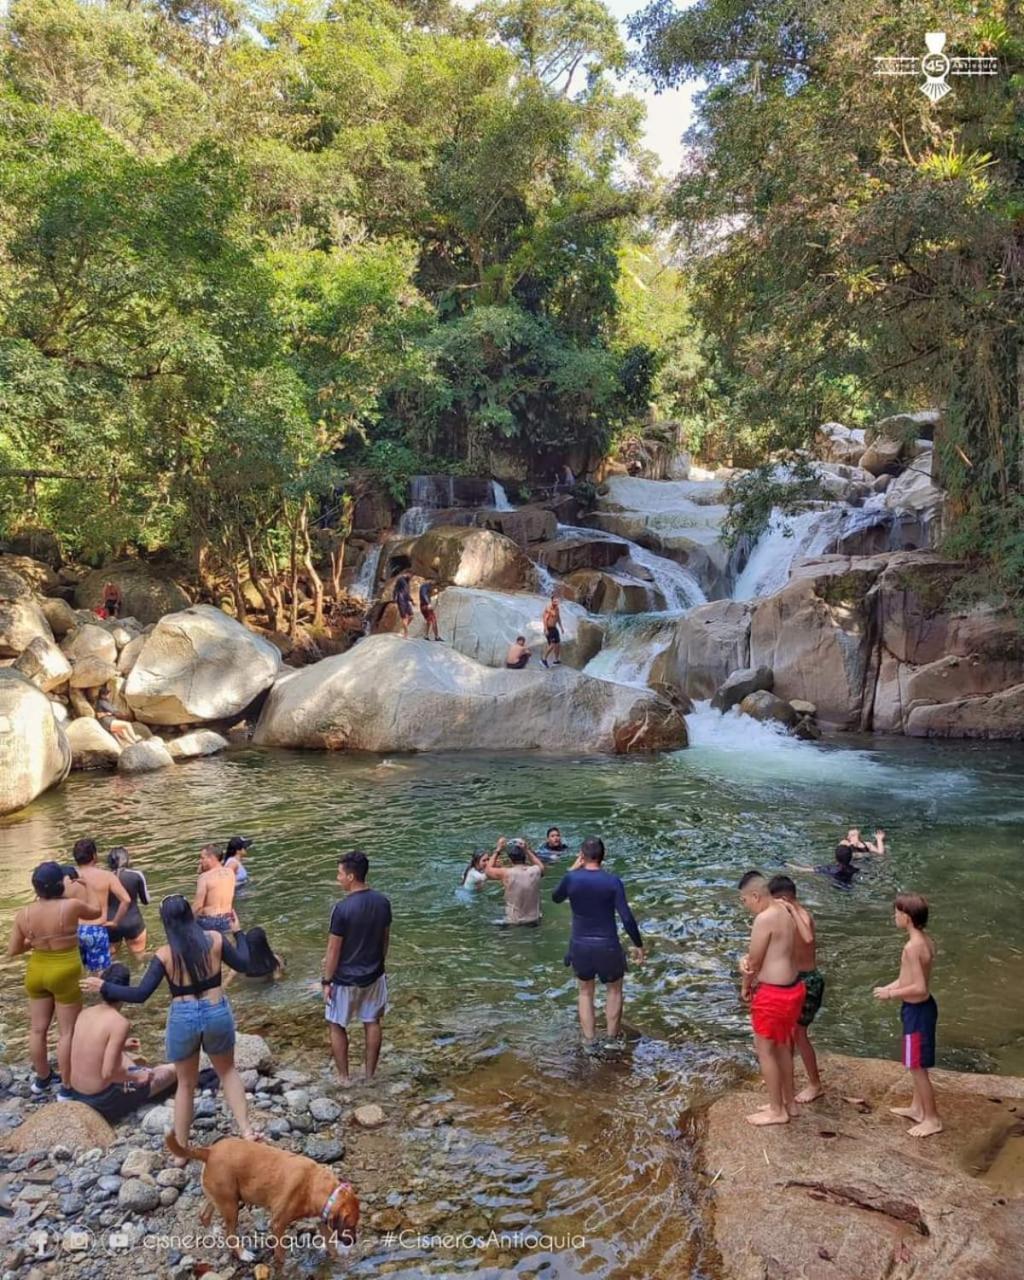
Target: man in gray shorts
355,987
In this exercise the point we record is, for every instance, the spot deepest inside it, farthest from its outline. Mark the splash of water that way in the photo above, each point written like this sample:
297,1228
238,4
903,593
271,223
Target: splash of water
632,643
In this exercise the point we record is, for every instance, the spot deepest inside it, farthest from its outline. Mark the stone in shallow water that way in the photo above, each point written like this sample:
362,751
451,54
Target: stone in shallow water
369,1116
325,1150
324,1110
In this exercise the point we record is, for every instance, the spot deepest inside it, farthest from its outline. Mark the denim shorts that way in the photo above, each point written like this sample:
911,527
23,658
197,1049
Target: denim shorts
199,1024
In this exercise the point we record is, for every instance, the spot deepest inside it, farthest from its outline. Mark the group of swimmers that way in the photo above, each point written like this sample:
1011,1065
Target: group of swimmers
81,911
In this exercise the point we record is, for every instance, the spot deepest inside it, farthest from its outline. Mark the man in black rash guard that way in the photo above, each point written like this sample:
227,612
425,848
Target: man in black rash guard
595,951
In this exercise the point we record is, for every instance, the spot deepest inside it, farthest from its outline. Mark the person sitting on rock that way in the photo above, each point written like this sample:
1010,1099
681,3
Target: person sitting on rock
403,599
104,1075
123,731
518,654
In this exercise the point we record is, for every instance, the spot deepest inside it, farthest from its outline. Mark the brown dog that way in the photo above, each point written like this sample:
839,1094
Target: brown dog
239,1171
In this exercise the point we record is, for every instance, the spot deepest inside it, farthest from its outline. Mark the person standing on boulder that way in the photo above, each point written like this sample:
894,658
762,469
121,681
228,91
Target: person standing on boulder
354,982
552,620
596,896
919,1012
783,890
403,599
97,887
775,993
427,609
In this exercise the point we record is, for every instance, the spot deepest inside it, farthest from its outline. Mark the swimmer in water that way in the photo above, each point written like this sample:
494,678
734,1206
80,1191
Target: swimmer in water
474,876
233,855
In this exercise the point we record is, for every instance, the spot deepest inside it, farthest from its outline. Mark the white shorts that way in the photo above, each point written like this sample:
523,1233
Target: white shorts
358,1004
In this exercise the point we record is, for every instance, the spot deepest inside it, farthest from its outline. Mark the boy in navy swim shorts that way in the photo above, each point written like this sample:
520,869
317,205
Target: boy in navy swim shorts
919,1012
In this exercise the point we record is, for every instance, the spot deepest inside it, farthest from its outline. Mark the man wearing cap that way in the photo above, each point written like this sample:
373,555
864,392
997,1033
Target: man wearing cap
232,856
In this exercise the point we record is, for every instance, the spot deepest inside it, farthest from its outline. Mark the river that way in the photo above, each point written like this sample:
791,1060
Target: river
546,1135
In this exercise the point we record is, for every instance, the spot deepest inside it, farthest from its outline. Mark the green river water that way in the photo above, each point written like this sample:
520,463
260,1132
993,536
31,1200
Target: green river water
548,1136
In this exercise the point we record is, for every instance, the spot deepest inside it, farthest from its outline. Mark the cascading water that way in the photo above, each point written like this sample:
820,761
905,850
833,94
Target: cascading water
678,585
414,521
499,498
784,540
367,577
632,642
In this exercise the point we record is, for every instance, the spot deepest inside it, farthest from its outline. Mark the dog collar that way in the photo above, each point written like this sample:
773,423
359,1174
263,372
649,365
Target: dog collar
325,1212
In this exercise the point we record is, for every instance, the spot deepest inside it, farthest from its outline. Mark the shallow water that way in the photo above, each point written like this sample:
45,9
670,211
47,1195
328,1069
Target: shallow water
548,1136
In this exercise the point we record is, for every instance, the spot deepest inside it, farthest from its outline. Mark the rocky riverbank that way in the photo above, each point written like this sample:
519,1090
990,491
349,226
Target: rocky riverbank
843,1193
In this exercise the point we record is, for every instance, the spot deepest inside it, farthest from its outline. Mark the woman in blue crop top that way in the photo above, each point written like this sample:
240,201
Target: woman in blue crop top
200,1016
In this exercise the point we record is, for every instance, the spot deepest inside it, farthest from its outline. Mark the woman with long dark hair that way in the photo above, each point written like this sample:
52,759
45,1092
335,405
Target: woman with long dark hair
132,929
264,962
200,1016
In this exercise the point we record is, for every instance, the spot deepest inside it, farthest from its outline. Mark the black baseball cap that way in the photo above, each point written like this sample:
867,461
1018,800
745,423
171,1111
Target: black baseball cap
47,876
236,843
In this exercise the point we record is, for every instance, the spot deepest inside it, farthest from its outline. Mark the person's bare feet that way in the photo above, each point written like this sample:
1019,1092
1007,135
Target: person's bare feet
811,1094
768,1116
926,1128
344,1082
907,1113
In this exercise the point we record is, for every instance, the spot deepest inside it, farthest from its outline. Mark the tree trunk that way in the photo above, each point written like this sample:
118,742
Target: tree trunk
293,622
238,594
315,581
256,578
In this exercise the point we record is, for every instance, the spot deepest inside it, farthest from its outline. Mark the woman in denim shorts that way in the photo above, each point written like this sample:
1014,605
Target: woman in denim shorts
200,1016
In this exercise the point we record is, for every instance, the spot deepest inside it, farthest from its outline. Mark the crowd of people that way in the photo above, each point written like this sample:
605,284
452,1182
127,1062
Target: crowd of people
82,911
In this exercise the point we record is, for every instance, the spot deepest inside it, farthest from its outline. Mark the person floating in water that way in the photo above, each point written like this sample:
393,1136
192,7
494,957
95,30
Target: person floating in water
919,1012
784,890
552,620
553,847
518,654
403,599
595,952
214,903
861,848
427,609
520,880
354,982
771,986
841,871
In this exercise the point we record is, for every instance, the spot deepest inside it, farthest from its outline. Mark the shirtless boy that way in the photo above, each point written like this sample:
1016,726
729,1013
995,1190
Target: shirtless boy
919,1012
783,889
96,886
213,906
103,1075
552,620
775,994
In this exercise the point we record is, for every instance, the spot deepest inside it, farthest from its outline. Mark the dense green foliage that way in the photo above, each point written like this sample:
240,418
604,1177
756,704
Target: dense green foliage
856,247
246,254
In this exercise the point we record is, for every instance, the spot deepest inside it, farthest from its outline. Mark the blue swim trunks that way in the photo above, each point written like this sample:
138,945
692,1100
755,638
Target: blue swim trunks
94,947
919,1022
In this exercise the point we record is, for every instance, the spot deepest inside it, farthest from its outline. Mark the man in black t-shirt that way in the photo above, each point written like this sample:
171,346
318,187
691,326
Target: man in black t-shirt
355,987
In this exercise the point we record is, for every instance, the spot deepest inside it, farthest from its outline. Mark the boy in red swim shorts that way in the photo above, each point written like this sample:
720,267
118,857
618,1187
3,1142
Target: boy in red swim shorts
775,993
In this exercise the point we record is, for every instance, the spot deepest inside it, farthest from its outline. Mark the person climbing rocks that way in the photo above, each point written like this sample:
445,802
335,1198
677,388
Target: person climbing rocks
552,620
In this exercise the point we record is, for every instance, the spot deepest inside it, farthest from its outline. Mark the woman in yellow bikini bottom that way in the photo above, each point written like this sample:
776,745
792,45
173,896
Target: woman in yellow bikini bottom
54,973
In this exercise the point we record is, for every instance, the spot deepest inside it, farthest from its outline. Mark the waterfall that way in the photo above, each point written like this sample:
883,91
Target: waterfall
414,521
366,579
434,492
545,579
784,540
499,498
631,644
678,585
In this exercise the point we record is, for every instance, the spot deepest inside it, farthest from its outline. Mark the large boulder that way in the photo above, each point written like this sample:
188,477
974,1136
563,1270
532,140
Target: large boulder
602,592
468,557
60,1124
199,665
59,614
39,576
817,636
92,747
837,443
763,705
532,523
145,757
915,490
844,1194
997,716
389,694
90,640
44,664
34,752
710,643
741,683
127,657
482,624
91,672
21,619
882,455
146,592
569,554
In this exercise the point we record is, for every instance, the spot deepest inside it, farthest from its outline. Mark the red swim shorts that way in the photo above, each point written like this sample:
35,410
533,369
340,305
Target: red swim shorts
774,1011
429,616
